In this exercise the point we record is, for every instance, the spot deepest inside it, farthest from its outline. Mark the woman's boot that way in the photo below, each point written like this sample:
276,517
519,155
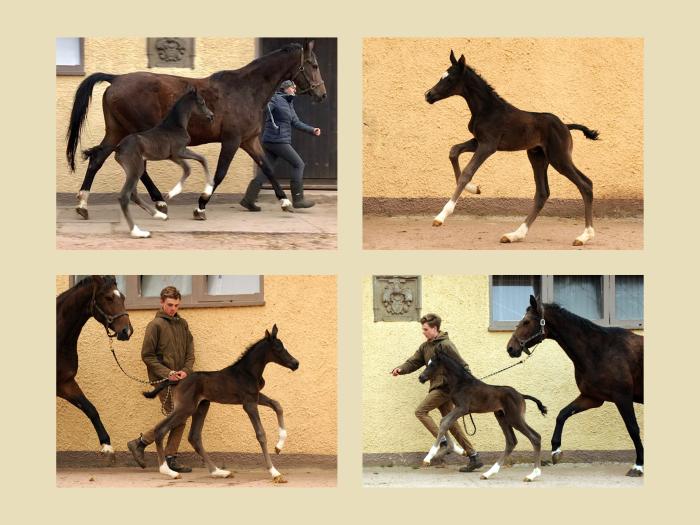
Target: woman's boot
251,195
298,200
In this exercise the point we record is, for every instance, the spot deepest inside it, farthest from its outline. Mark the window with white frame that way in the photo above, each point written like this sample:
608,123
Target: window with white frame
609,300
70,56
198,291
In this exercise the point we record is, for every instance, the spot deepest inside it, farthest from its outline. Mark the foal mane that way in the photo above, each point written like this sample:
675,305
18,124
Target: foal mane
245,352
481,83
454,366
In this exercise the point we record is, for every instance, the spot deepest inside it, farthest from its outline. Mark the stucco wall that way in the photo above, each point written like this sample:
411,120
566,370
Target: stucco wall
126,55
304,308
597,82
389,425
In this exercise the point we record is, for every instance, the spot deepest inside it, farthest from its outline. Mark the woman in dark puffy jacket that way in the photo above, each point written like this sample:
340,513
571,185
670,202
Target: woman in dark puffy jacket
280,117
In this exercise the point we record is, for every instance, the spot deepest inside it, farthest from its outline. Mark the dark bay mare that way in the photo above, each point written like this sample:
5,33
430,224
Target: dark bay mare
608,366
96,296
138,101
472,396
238,384
167,141
500,126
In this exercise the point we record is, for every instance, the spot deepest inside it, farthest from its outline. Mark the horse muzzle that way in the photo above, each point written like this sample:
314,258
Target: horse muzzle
293,365
422,378
430,98
125,333
515,352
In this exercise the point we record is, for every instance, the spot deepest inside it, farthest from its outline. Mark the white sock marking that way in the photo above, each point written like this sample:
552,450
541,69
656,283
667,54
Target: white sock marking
177,189
137,233
490,472
536,473
107,449
517,235
557,451
586,236
160,215
472,188
165,469
83,198
431,454
285,203
283,437
640,468
220,473
274,472
200,211
457,449
446,212
208,189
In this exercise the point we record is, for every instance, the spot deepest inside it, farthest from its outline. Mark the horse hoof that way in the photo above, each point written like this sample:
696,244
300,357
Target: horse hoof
528,480
578,243
279,479
556,457
199,215
82,212
425,464
437,222
220,473
634,473
162,207
277,450
160,215
484,476
505,239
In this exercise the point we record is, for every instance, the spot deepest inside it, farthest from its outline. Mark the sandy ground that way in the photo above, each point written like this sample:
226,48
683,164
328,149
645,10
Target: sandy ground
561,475
463,232
199,477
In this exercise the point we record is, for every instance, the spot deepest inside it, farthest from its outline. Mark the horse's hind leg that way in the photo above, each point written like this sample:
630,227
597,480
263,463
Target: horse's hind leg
252,410
455,151
539,163
97,156
228,150
277,408
511,441
563,164
195,439
71,392
626,409
482,153
133,166
177,417
255,150
536,440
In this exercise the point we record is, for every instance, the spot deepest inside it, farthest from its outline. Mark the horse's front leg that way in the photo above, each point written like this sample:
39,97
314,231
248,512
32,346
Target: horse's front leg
186,170
626,409
445,424
580,404
229,146
482,153
252,410
209,181
277,408
455,151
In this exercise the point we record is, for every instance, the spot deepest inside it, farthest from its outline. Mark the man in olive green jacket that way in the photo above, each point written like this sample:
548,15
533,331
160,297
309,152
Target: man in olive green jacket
438,395
168,351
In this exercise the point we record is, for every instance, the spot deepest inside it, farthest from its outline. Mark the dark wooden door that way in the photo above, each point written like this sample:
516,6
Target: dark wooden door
319,153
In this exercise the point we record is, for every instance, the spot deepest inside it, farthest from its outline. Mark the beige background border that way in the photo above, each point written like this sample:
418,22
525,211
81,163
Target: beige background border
671,189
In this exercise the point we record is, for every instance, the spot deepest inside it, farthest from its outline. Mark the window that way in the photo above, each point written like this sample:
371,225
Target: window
70,56
143,291
608,300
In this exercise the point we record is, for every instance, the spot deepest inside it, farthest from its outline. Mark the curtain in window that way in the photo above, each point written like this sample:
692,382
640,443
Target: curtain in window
67,51
511,295
233,284
629,297
151,285
580,294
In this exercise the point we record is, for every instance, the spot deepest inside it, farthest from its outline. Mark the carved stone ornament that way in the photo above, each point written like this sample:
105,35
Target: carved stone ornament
170,52
397,298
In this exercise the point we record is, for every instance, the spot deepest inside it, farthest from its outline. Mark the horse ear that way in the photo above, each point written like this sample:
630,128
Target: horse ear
274,331
462,61
267,334
452,57
533,303
539,305
310,45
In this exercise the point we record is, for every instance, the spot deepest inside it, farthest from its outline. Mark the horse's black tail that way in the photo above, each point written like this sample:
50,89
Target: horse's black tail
153,393
78,114
587,132
543,409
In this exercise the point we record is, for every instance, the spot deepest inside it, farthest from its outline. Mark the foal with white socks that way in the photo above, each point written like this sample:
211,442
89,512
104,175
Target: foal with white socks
500,126
167,141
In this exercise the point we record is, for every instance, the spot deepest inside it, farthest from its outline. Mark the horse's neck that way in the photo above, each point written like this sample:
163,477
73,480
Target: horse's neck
77,308
273,69
254,362
479,96
566,337
182,114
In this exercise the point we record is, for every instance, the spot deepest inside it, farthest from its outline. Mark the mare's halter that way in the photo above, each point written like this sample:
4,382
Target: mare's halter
524,344
109,319
301,71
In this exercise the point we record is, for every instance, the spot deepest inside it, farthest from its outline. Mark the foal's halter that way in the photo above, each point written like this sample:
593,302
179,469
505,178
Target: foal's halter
301,71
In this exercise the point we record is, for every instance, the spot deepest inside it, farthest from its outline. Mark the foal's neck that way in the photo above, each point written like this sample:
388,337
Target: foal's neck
479,95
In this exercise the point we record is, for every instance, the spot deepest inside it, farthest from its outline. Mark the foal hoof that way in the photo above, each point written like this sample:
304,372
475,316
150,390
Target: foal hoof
199,215
277,450
556,457
635,473
82,212
578,243
505,239
279,479
161,206
483,476
425,464
437,222
220,473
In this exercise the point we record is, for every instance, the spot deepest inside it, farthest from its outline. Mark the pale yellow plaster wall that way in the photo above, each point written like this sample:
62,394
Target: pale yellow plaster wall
304,308
597,82
126,55
389,425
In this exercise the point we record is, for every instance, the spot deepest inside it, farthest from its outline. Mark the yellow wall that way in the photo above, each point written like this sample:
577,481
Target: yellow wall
304,308
597,82
389,425
125,55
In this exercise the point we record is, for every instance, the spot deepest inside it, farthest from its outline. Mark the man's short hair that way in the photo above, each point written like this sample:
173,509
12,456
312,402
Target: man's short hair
432,320
170,292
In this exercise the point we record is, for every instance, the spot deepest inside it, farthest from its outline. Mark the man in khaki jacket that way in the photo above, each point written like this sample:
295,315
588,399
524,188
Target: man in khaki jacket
438,396
168,351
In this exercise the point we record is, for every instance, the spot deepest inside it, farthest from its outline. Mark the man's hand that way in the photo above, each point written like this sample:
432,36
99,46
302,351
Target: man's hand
177,376
396,372
317,131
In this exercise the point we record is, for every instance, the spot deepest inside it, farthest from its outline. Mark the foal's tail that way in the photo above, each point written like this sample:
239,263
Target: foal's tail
543,409
78,114
587,132
153,393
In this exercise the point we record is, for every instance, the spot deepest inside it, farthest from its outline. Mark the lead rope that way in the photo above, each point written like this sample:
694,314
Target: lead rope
166,405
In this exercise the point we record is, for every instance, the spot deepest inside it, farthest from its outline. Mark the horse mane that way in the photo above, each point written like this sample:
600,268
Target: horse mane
245,352
482,83
452,364
288,48
86,281
572,318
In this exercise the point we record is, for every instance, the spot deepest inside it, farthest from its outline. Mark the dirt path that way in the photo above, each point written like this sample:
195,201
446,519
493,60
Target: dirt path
462,232
135,477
